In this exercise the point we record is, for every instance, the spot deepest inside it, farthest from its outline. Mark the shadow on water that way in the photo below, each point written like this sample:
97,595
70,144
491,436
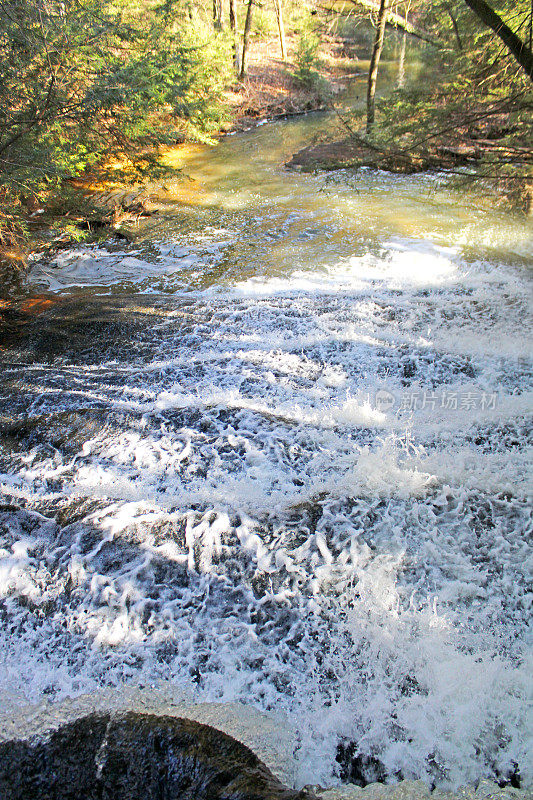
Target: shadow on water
197,489
86,584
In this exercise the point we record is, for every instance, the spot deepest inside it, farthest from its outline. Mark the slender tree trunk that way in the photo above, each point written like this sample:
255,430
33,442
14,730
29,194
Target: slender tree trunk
455,30
374,64
217,14
514,44
246,38
397,21
233,29
401,63
281,28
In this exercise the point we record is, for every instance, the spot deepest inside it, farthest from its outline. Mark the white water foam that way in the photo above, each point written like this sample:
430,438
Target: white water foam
309,493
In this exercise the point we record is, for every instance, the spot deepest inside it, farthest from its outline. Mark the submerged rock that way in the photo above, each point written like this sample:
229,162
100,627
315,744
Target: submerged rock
134,756
351,153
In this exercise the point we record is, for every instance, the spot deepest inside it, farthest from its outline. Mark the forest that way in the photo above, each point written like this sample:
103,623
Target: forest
86,82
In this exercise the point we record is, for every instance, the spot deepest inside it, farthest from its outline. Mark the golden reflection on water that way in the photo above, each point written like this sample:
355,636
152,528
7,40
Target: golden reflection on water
235,212
302,219
184,189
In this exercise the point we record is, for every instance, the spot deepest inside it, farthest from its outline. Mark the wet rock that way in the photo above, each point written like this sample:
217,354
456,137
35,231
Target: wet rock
485,790
351,153
418,790
136,756
347,792
404,790
270,736
359,769
489,789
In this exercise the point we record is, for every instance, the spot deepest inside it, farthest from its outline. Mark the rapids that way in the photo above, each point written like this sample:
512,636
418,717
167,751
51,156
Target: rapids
277,451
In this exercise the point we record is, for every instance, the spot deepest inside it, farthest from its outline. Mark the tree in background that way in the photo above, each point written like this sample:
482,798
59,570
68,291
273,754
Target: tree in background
83,80
278,5
218,14
403,48
472,112
246,38
374,64
234,37
519,48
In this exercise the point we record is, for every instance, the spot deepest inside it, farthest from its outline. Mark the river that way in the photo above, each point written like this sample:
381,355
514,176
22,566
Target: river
276,450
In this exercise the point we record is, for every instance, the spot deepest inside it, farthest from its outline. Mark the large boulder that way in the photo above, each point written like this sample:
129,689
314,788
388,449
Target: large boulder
134,756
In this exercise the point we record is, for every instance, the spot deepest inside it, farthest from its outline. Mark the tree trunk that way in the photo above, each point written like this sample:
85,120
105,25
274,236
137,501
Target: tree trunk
281,28
374,64
514,44
403,48
455,29
397,21
401,63
246,38
217,14
233,29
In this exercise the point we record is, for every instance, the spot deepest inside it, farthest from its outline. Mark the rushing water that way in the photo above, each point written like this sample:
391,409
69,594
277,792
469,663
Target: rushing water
277,450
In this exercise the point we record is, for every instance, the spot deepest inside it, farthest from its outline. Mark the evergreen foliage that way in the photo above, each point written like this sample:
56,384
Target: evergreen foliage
82,81
90,85
306,59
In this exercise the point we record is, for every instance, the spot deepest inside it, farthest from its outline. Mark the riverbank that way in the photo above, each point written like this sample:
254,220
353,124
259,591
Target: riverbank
87,208
465,152
270,89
